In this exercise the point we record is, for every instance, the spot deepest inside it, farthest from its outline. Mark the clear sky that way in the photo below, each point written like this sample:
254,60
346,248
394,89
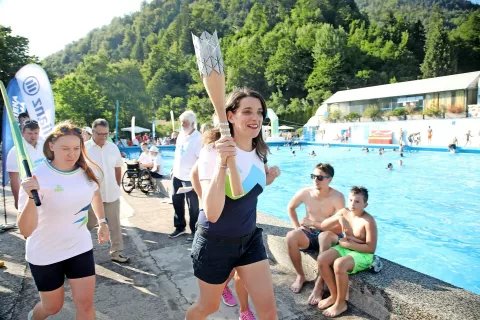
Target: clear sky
49,25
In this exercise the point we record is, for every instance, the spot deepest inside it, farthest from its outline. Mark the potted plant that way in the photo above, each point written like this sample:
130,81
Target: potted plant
398,114
372,112
455,111
352,116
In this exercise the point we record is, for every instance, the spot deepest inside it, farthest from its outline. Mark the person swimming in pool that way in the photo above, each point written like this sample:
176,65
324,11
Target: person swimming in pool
321,201
313,154
389,166
400,163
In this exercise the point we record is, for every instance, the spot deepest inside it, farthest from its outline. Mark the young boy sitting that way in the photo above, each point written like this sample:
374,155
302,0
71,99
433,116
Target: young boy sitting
352,254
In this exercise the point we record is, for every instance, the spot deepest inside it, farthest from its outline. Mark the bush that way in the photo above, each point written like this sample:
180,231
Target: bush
352,116
372,112
336,114
399,112
299,131
457,108
432,111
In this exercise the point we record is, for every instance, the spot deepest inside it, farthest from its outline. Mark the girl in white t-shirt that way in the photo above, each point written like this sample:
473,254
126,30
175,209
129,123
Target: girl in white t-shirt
59,244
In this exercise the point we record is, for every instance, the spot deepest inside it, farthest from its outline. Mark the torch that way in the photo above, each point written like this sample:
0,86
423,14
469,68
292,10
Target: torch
210,64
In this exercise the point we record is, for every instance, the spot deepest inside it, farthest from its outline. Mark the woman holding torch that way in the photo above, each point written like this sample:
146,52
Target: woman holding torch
59,244
227,237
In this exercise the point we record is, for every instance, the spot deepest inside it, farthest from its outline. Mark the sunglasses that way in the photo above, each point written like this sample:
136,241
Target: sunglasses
67,130
30,122
319,177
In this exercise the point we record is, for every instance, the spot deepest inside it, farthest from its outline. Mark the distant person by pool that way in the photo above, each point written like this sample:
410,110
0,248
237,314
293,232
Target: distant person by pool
293,153
401,154
313,154
366,150
452,146
468,136
389,166
400,163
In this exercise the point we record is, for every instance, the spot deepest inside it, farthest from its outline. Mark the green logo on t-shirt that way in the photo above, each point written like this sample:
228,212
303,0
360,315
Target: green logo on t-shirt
58,188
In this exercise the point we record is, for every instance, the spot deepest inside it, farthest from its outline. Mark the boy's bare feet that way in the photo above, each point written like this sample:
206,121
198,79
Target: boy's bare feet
336,310
327,302
316,295
298,284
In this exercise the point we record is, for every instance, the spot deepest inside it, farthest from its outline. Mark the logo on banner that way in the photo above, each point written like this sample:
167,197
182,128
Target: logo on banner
18,106
31,86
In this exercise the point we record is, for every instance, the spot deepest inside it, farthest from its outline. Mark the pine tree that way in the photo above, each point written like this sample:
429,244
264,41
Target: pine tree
438,49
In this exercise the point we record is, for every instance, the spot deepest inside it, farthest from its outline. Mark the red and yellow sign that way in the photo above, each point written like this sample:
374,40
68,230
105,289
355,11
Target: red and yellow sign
380,137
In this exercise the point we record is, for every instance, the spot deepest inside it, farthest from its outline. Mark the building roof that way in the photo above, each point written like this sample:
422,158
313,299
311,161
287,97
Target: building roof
408,88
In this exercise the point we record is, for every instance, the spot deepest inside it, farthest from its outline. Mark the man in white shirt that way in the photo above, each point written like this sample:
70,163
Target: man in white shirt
187,151
144,158
34,147
108,157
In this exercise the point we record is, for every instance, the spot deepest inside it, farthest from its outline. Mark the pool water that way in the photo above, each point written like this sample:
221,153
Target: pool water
428,212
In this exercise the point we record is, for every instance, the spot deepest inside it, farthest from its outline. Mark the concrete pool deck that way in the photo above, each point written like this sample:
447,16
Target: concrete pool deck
157,283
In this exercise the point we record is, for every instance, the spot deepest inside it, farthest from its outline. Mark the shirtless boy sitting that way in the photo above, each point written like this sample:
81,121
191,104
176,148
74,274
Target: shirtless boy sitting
321,202
354,253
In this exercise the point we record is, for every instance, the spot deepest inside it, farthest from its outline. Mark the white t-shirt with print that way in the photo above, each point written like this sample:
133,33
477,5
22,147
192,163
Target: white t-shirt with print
62,231
35,153
187,151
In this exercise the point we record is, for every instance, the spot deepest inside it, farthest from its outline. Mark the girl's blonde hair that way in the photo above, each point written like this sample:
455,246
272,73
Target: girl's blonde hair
210,136
66,128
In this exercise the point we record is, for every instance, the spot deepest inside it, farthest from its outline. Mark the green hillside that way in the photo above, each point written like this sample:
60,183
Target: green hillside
295,52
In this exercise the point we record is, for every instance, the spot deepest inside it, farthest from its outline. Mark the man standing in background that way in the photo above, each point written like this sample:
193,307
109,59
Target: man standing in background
108,157
187,151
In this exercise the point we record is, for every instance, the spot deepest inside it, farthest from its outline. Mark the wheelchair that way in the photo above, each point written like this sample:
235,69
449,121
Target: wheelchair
135,177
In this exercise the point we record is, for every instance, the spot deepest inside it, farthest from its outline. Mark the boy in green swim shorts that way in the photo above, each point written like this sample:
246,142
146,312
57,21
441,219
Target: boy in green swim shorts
352,254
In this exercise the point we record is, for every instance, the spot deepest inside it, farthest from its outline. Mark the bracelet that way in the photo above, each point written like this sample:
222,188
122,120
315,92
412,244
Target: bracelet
223,166
103,220
221,124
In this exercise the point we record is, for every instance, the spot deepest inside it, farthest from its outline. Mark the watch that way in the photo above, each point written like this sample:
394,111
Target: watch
103,220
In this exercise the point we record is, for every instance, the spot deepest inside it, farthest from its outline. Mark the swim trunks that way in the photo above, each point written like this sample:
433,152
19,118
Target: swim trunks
362,260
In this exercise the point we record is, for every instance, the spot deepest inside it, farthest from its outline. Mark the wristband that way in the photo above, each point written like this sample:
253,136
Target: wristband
103,220
223,166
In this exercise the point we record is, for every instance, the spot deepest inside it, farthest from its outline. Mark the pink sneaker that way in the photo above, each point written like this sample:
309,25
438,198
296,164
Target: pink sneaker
247,315
228,298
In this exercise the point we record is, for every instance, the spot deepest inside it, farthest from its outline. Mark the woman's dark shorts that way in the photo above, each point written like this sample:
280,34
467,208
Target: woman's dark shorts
215,257
52,276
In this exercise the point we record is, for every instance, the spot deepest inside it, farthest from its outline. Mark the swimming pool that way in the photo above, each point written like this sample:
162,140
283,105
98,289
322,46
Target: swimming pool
428,212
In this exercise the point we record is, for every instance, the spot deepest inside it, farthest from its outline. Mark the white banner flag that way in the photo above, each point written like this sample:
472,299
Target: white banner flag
37,94
133,129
